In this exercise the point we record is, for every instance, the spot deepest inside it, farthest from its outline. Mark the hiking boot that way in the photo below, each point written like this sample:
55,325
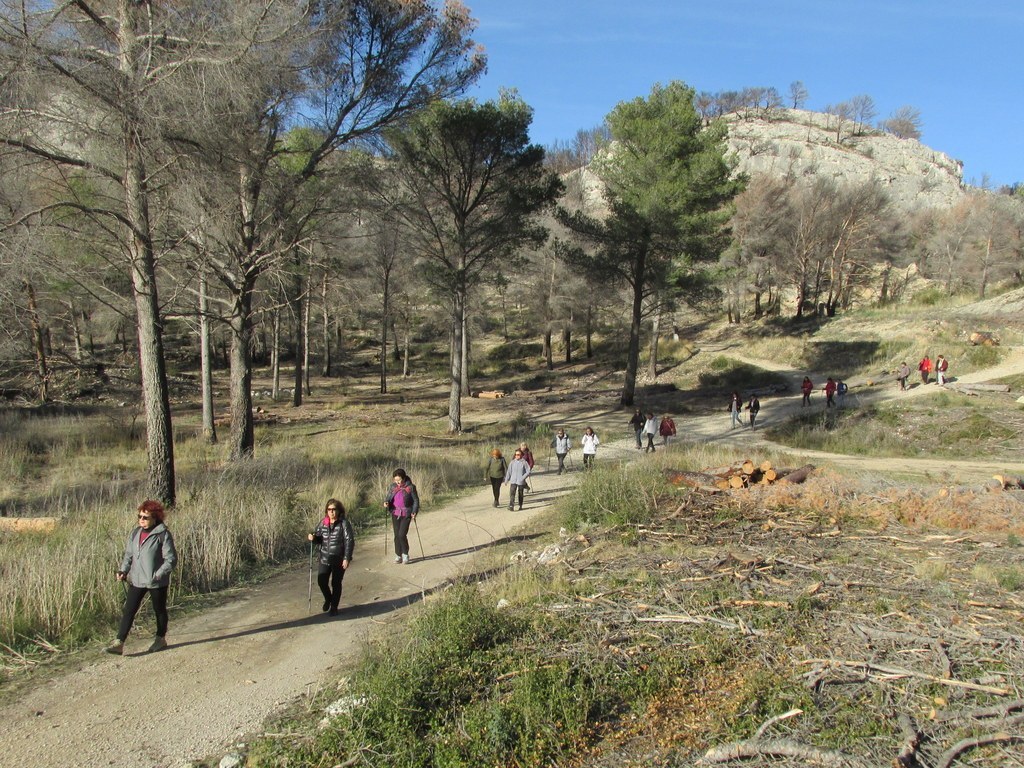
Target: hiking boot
116,648
496,505
327,604
159,644
405,559
398,558
511,509
334,611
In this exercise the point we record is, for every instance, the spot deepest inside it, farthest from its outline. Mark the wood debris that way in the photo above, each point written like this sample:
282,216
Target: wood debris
743,474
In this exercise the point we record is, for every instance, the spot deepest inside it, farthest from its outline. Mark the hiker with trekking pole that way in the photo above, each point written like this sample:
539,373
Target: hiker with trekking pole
149,558
403,504
337,542
562,445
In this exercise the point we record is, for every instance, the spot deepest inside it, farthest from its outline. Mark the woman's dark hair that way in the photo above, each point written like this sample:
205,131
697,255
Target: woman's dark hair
335,503
400,473
154,508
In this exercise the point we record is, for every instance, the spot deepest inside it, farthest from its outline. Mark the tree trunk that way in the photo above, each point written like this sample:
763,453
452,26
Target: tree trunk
305,337
636,317
548,359
275,356
655,333
464,351
205,364
405,351
298,313
242,440
567,341
326,368
384,317
38,346
455,391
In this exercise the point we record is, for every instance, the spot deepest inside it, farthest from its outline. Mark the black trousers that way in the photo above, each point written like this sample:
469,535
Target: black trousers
329,578
157,596
496,488
401,528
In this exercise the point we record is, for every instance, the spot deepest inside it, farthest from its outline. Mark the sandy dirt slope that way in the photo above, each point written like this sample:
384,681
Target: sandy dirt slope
230,667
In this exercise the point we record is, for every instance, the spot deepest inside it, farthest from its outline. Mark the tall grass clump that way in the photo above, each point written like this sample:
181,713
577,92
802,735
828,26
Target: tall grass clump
464,686
613,496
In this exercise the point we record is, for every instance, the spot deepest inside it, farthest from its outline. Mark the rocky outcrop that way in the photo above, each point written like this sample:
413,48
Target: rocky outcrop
800,143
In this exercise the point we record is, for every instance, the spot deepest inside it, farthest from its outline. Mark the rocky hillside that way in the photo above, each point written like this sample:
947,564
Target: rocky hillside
801,143
792,141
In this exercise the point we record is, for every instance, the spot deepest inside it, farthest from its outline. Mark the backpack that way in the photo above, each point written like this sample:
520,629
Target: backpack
842,388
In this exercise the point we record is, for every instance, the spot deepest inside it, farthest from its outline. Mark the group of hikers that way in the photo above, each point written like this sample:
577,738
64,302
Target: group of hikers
835,392
150,556
647,426
940,366
736,408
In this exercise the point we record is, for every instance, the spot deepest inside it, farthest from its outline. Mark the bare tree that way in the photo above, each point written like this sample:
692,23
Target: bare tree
797,94
904,123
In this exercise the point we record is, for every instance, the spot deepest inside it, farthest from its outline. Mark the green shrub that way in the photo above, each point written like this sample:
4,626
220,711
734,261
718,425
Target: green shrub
615,496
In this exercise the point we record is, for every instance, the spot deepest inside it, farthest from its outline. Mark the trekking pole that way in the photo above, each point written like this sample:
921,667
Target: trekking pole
417,527
386,537
309,609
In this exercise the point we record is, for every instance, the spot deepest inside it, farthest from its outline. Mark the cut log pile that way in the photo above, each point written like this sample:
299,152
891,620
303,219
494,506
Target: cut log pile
742,474
1009,482
493,394
984,339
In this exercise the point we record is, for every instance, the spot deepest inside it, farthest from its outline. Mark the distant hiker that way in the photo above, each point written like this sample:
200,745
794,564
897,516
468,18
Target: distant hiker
403,502
902,374
495,473
337,541
735,406
637,423
753,407
806,388
666,429
149,558
561,445
650,430
841,390
590,442
516,475
941,366
925,367
528,458
830,392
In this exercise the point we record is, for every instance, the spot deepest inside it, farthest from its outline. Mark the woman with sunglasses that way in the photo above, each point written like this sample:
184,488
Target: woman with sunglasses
149,558
515,477
337,541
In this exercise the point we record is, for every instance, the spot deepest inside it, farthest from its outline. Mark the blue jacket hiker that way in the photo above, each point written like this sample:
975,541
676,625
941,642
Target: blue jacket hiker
403,503
516,476
337,542
149,558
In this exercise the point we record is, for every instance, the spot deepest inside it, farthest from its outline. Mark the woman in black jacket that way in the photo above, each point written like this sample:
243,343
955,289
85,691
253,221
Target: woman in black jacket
336,540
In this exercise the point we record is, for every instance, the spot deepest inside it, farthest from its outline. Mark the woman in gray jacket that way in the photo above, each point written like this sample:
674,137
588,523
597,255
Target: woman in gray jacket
515,477
149,558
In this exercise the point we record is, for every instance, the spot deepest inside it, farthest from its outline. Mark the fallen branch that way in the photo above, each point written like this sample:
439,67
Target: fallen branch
896,672
782,748
963,745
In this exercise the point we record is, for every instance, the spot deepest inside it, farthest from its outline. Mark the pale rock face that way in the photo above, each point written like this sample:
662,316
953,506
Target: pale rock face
801,143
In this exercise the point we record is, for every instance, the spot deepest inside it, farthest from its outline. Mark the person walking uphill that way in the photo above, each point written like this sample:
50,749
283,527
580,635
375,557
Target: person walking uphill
637,423
516,475
562,445
149,558
495,473
753,407
589,442
337,542
650,430
403,502
666,429
735,406
830,392
925,367
805,389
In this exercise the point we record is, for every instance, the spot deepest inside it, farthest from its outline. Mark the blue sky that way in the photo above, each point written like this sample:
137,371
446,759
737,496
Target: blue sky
955,61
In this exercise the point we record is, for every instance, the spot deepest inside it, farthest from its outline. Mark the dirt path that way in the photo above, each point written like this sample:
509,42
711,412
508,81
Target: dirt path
231,667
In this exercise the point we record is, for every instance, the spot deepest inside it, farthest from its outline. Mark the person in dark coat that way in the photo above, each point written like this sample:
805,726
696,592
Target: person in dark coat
337,542
494,472
149,558
753,408
637,423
